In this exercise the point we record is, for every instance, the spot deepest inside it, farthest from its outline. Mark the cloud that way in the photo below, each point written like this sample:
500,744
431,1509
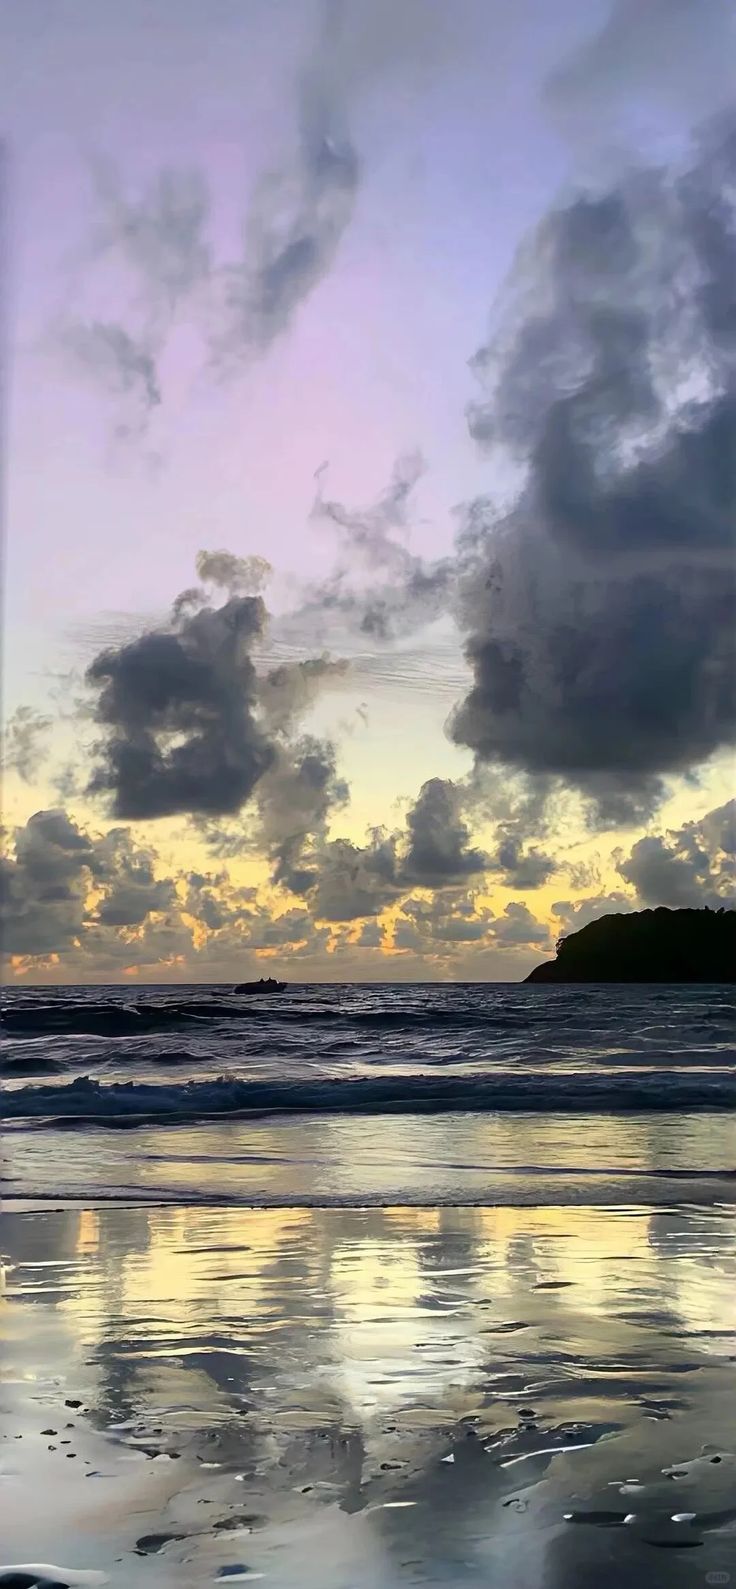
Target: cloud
574,914
291,233
24,742
302,208
160,234
692,866
231,923
369,534
152,250
295,223
521,811
191,727
121,362
379,585
455,917
452,916
178,707
517,926
344,881
240,576
286,691
520,868
133,890
99,903
651,55
158,252
439,851
600,608
45,887
372,935
353,880
296,798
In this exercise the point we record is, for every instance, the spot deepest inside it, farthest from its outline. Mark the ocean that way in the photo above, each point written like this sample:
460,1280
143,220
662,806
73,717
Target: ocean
369,1287
352,1093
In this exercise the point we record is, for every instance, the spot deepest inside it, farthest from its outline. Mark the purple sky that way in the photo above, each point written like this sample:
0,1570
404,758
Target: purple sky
466,121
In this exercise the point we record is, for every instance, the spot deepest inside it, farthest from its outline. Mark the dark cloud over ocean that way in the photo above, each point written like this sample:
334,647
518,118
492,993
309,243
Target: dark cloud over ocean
600,609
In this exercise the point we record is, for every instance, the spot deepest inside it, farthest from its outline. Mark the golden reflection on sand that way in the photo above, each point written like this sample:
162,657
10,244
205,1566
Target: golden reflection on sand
373,1386
389,1303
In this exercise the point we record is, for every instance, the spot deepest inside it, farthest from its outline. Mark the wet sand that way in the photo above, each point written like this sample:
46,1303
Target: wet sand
348,1399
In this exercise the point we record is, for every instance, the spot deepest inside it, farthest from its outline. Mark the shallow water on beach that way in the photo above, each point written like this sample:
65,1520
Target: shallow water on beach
347,1160
351,1398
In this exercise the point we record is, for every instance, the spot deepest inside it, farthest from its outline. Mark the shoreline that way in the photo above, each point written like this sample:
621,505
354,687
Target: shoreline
340,1161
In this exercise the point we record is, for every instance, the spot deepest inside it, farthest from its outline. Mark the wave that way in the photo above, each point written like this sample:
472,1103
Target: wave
114,1020
121,1103
138,1019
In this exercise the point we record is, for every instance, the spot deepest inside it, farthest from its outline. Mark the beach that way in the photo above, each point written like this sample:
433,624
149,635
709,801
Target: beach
465,1320
354,1397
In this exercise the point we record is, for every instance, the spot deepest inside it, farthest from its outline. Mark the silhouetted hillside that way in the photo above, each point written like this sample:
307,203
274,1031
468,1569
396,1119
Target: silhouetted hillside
647,946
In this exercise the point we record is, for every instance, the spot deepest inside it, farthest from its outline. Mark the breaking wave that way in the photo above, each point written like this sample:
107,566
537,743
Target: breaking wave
121,1103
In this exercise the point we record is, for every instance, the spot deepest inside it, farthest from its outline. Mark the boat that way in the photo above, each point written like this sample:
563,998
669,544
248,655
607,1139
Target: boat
263,985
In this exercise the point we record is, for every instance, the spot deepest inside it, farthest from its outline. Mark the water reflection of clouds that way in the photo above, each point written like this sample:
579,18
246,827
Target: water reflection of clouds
337,1357
390,1306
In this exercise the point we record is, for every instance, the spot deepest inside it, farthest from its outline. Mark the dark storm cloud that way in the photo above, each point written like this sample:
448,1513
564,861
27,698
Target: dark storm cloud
520,868
618,800
439,851
24,746
179,710
601,608
695,865
191,726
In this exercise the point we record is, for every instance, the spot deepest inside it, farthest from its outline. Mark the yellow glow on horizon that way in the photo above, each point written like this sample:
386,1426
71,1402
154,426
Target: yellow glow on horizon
180,850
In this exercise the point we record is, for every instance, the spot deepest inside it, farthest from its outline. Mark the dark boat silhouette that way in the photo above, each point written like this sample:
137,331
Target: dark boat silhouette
263,985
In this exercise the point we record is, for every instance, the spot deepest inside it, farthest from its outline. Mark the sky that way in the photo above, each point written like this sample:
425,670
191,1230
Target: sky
368,445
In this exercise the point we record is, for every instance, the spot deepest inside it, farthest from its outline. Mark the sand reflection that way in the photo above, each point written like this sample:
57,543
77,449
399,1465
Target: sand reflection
403,1391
